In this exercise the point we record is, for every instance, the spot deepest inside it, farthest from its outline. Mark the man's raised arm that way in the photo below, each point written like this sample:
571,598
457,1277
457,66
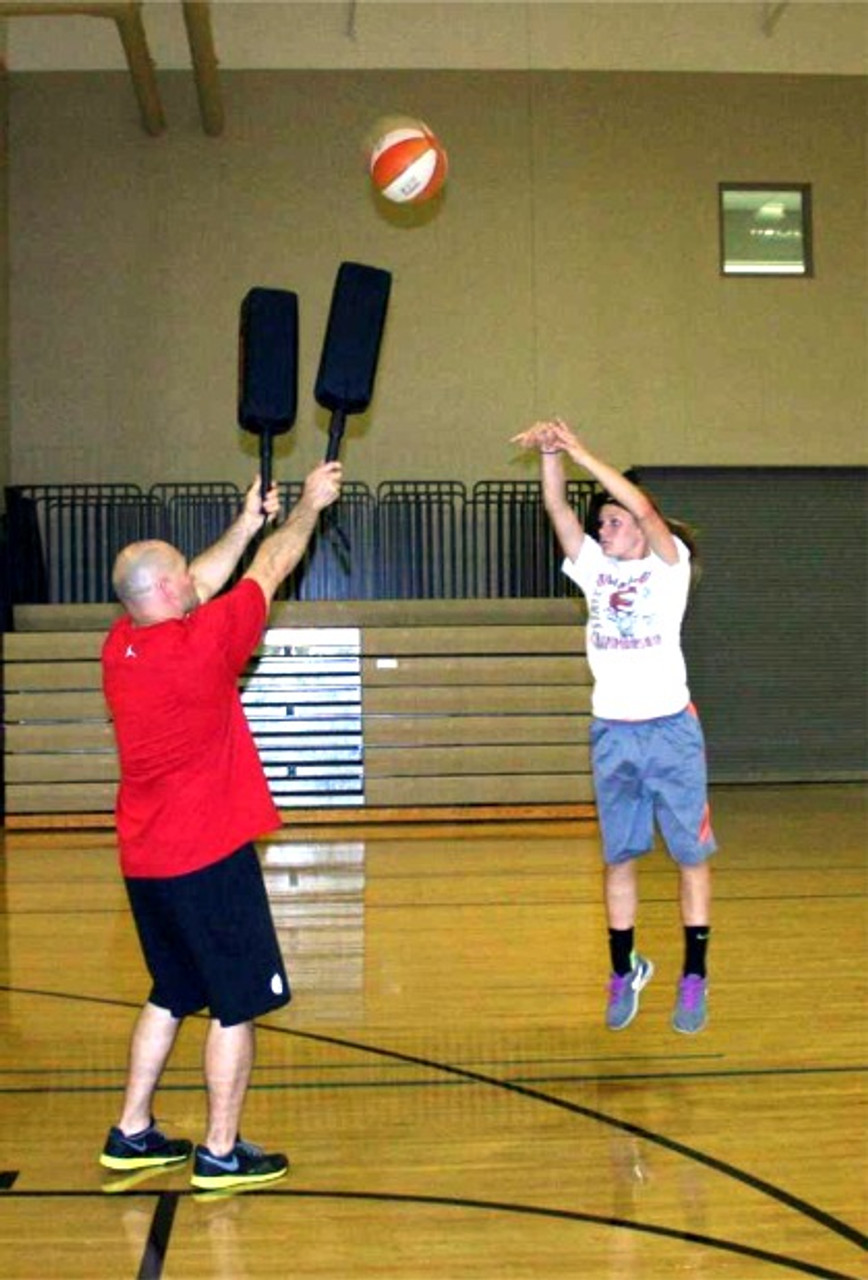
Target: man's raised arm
281,551
213,567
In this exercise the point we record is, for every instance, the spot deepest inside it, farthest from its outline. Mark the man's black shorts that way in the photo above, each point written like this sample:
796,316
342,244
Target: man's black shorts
209,940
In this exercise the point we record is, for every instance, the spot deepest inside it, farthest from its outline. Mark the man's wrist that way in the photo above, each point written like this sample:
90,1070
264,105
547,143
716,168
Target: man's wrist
250,523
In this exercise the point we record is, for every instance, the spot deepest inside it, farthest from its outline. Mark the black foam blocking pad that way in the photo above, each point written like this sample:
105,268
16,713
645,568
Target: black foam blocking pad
354,331
268,361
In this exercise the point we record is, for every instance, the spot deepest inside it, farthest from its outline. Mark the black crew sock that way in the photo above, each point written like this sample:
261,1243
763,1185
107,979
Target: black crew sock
621,950
695,947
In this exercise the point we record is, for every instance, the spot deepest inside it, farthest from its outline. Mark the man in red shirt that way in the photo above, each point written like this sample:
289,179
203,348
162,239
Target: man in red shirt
192,798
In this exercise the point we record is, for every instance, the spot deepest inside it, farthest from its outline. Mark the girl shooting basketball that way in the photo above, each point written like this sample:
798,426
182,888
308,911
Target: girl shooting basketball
647,747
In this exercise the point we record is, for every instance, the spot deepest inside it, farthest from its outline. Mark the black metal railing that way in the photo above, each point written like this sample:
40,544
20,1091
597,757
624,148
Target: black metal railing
412,539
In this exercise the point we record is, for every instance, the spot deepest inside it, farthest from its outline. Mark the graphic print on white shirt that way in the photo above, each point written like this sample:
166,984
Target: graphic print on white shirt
633,633
627,605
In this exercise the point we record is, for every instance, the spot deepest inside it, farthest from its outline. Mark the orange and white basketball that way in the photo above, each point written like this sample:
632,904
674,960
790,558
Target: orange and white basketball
408,164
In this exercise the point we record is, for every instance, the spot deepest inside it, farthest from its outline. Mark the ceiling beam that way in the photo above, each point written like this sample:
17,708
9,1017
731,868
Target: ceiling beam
132,33
197,18
128,19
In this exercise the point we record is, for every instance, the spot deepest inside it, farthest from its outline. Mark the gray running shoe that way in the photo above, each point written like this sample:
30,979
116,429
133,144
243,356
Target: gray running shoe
691,1005
624,994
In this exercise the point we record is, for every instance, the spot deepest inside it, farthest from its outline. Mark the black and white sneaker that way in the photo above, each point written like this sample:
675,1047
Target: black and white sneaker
244,1166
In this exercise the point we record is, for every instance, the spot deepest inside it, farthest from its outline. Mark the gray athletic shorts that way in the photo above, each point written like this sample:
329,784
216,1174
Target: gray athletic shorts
209,940
649,772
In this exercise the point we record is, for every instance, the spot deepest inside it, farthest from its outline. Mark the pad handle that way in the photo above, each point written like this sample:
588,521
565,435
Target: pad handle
336,432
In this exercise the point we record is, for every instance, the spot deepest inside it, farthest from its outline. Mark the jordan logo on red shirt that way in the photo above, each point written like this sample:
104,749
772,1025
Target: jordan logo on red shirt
130,652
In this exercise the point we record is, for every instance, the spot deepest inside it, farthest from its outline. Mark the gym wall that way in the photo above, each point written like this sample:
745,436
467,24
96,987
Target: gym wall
572,266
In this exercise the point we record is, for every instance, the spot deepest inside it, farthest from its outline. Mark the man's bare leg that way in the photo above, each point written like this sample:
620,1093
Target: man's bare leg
152,1041
229,1055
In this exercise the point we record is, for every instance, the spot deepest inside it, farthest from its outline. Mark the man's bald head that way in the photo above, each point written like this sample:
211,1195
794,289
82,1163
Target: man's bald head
139,577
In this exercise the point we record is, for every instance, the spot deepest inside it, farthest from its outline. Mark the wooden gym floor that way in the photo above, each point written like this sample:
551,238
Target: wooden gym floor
451,1101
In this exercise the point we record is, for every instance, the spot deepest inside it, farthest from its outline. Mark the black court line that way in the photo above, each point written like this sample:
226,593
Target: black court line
299,1086
438,904
158,1237
571,1060
855,1068
830,1223
156,1248
569,1215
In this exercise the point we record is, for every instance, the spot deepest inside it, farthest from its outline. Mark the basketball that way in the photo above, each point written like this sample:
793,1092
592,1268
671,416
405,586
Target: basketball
408,164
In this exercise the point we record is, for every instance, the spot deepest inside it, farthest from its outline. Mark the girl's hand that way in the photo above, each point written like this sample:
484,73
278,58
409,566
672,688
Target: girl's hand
542,436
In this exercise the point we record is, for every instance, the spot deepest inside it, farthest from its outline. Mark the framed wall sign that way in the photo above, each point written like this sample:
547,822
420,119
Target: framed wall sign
765,229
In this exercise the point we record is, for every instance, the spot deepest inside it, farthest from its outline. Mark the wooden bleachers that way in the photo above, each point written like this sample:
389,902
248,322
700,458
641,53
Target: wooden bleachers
465,708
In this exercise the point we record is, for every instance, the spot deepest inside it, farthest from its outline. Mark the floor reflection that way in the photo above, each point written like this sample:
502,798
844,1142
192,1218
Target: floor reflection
317,896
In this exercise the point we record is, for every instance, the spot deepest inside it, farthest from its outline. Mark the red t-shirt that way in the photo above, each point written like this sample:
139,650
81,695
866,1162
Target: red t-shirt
192,788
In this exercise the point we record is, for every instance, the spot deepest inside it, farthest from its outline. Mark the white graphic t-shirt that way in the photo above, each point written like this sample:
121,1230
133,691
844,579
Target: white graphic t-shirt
635,608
